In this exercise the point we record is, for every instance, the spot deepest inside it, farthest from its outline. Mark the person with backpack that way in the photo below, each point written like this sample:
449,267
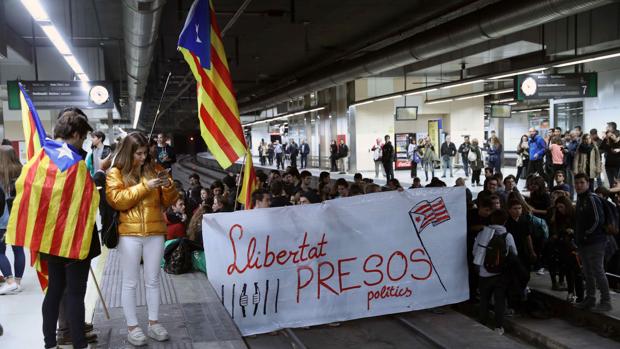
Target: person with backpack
491,249
591,239
140,190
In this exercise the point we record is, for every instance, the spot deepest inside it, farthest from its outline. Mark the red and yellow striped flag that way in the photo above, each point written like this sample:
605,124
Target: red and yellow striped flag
201,44
55,206
34,133
250,183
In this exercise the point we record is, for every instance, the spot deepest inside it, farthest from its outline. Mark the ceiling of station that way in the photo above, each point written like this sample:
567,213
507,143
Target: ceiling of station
272,41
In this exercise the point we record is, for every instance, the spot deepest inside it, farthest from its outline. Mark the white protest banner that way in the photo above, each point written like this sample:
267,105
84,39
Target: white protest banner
342,259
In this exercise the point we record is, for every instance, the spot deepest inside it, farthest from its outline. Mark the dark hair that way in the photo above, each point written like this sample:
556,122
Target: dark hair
485,202
602,191
488,169
510,177
494,197
275,172
498,217
593,131
305,173
99,135
355,189
6,142
323,174
194,176
513,203
559,129
261,176
357,176
70,121
342,181
613,125
394,182
258,195
276,188
217,184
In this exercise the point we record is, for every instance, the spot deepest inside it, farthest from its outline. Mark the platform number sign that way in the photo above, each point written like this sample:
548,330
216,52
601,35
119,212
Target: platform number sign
554,86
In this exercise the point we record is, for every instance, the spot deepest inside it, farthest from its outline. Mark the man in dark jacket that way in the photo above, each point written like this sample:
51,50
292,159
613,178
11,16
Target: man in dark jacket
387,158
304,150
591,240
343,156
537,152
448,151
294,151
464,151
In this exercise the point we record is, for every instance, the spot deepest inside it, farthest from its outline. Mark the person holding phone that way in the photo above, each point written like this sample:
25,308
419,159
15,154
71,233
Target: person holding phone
140,190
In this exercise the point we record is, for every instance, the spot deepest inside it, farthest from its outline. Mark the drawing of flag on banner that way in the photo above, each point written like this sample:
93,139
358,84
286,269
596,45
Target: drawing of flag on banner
425,213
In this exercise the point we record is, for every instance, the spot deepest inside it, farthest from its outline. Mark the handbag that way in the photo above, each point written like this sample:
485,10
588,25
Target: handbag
109,235
416,157
472,156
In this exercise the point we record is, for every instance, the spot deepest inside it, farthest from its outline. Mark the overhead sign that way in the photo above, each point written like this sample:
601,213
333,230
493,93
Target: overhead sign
339,260
61,94
550,86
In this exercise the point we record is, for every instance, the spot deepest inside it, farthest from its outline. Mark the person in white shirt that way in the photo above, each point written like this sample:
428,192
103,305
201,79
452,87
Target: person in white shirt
377,154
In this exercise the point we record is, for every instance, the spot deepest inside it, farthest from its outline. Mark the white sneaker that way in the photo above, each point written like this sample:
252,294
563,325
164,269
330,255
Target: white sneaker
541,271
7,289
136,337
500,331
158,332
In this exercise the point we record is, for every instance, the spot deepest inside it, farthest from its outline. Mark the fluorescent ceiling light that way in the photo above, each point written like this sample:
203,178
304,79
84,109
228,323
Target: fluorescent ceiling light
36,10
282,116
56,39
471,96
136,116
73,63
386,98
506,90
422,91
463,84
585,60
362,103
507,75
512,103
440,101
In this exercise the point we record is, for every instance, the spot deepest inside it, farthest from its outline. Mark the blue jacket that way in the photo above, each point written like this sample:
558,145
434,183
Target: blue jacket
537,147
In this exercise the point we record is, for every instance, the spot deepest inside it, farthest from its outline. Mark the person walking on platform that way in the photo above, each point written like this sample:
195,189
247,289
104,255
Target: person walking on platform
294,151
387,158
11,170
377,156
537,147
270,153
140,191
591,239
448,151
464,151
279,152
262,152
343,156
304,151
333,155
475,162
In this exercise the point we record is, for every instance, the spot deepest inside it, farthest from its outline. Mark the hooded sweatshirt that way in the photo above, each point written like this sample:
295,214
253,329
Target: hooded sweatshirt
482,241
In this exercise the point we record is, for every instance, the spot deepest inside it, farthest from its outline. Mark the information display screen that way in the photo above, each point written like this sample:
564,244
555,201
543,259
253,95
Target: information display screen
500,111
406,113
550,86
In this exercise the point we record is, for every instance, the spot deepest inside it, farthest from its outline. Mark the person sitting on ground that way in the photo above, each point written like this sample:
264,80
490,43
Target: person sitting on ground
217,188
220,204
560,182
303,200
176,218
261,199
436,183
510,185
355,189
488,172
493,282
342,188
490,188
305,188
278,195
193,193
496,202
417,183
261,178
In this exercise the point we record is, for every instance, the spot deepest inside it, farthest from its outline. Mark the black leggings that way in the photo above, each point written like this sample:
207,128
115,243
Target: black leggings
475,176
71,276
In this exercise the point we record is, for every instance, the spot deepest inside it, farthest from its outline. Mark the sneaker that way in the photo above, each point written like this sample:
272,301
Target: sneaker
602,307
500,331
65,338
158,332
571,298
587,304
136,337
541,271
7,289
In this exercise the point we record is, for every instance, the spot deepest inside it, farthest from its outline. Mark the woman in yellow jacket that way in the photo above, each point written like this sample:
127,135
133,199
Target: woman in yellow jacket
140,191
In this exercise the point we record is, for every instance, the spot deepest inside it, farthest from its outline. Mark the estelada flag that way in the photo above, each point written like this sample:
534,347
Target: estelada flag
250,182
55,205
34,133
201,44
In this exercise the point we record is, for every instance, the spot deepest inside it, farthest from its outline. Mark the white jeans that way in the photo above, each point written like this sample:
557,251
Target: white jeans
131,249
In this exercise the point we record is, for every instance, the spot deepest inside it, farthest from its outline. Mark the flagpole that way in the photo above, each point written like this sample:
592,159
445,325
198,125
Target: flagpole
161,98
427,254
240,182
105,307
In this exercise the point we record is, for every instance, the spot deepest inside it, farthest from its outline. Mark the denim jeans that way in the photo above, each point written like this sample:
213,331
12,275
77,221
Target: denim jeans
446,162
429,165
18,255
592,259
465,166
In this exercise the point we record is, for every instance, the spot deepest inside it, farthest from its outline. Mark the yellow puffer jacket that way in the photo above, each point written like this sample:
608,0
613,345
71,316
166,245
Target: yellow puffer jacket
140,208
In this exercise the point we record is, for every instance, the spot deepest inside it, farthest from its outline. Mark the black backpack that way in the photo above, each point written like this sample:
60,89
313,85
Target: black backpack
178,256
495,256
612,218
